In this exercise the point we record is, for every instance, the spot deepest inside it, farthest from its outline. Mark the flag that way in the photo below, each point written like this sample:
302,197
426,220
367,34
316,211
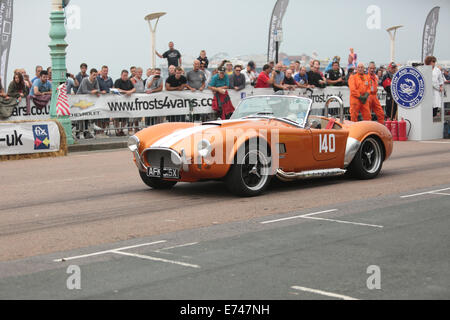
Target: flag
62,104
6,26
275,24
429,33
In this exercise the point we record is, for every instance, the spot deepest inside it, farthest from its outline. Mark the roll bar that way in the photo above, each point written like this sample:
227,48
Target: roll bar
341,104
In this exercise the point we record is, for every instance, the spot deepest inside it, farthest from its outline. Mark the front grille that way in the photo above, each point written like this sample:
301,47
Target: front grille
166,157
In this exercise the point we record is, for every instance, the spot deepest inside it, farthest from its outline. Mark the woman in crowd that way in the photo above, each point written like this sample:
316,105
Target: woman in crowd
17,88
7,103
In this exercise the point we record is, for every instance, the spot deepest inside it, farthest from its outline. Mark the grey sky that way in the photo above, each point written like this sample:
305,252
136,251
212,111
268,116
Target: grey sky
114,32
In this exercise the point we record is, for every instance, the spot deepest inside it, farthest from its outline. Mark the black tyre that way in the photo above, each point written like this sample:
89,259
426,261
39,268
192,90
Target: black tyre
157,183
368,160
250,174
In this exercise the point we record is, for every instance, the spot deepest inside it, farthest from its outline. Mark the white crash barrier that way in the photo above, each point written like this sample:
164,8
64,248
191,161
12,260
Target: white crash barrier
87,107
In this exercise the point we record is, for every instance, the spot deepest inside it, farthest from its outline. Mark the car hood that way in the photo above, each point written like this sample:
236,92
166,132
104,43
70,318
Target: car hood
184,135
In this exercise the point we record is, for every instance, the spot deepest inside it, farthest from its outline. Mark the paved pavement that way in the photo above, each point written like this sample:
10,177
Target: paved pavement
303,240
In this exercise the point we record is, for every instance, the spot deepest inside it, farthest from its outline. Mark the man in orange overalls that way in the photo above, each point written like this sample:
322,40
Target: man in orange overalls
359,94
374,103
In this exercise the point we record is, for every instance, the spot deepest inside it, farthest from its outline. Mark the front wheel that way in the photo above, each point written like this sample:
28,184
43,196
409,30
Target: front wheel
368,160
157,183
249,176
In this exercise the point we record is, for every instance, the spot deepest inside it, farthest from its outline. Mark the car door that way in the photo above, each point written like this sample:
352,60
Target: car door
328,147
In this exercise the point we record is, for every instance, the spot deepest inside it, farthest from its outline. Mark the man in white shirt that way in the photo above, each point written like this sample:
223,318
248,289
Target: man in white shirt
250,74
206,71
438,83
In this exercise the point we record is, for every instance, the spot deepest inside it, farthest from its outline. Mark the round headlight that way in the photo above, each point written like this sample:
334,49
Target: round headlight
133,143
204,148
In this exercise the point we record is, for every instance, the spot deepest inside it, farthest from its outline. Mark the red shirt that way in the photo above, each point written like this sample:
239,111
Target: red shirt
262,81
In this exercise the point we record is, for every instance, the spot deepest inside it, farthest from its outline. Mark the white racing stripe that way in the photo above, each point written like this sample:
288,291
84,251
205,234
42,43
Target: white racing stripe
179,135
323,293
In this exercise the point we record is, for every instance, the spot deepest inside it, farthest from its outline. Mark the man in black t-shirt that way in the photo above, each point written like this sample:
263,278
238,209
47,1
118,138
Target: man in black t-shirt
176,82
173,56
289,82
124,86
315,79
336,76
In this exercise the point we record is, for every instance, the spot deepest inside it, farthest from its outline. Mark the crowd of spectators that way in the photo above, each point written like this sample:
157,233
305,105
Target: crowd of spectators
225,77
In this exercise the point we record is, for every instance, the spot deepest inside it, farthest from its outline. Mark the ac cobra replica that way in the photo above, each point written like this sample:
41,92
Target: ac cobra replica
267,136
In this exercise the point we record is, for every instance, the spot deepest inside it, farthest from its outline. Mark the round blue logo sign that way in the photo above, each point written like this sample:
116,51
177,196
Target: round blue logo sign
408,87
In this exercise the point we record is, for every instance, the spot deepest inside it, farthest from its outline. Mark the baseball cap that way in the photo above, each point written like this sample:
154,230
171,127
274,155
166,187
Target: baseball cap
392,65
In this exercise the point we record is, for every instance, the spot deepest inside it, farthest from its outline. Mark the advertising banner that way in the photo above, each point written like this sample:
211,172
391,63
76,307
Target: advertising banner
87,107
6,23
429,33
275,24
29,137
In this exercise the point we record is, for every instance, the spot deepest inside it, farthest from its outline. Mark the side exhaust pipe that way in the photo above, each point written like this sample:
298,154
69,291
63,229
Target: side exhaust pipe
292,176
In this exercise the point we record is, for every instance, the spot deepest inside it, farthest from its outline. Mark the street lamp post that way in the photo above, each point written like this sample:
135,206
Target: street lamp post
392,33
278,39
58,47
149,18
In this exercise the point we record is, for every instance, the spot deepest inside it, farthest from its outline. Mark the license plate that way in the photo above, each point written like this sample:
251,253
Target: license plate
168,173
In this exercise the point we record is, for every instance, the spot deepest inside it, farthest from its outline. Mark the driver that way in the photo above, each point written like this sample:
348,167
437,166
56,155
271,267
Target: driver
279,108
287,109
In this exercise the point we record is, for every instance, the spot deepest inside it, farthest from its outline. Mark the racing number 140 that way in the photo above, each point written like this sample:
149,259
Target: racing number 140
327,143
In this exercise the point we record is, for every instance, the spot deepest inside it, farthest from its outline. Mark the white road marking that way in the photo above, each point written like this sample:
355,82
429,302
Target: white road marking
345,222
323,293
310,216
296,217
156,259
179,246
442,193
423,193
108,251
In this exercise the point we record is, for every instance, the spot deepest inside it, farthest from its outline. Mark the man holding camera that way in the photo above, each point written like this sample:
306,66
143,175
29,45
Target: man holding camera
154,82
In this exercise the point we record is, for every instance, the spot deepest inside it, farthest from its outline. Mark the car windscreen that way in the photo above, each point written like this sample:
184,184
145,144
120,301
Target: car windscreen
291,108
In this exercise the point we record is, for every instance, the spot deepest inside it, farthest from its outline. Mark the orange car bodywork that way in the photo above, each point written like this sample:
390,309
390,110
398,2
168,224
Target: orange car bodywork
301,152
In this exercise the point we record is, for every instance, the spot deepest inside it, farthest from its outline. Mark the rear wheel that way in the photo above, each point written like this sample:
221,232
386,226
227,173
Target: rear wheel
368,160
249,176
156,183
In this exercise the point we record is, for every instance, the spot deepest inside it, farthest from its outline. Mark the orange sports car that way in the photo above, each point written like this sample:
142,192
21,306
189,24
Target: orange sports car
267,136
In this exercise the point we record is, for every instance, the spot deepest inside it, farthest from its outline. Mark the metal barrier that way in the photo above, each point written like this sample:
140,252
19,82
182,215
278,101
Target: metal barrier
107,128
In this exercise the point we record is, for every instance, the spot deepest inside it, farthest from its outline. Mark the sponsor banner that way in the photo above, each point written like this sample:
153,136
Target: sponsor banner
87,107
429,33
29,137
408,87
6,23
275,24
